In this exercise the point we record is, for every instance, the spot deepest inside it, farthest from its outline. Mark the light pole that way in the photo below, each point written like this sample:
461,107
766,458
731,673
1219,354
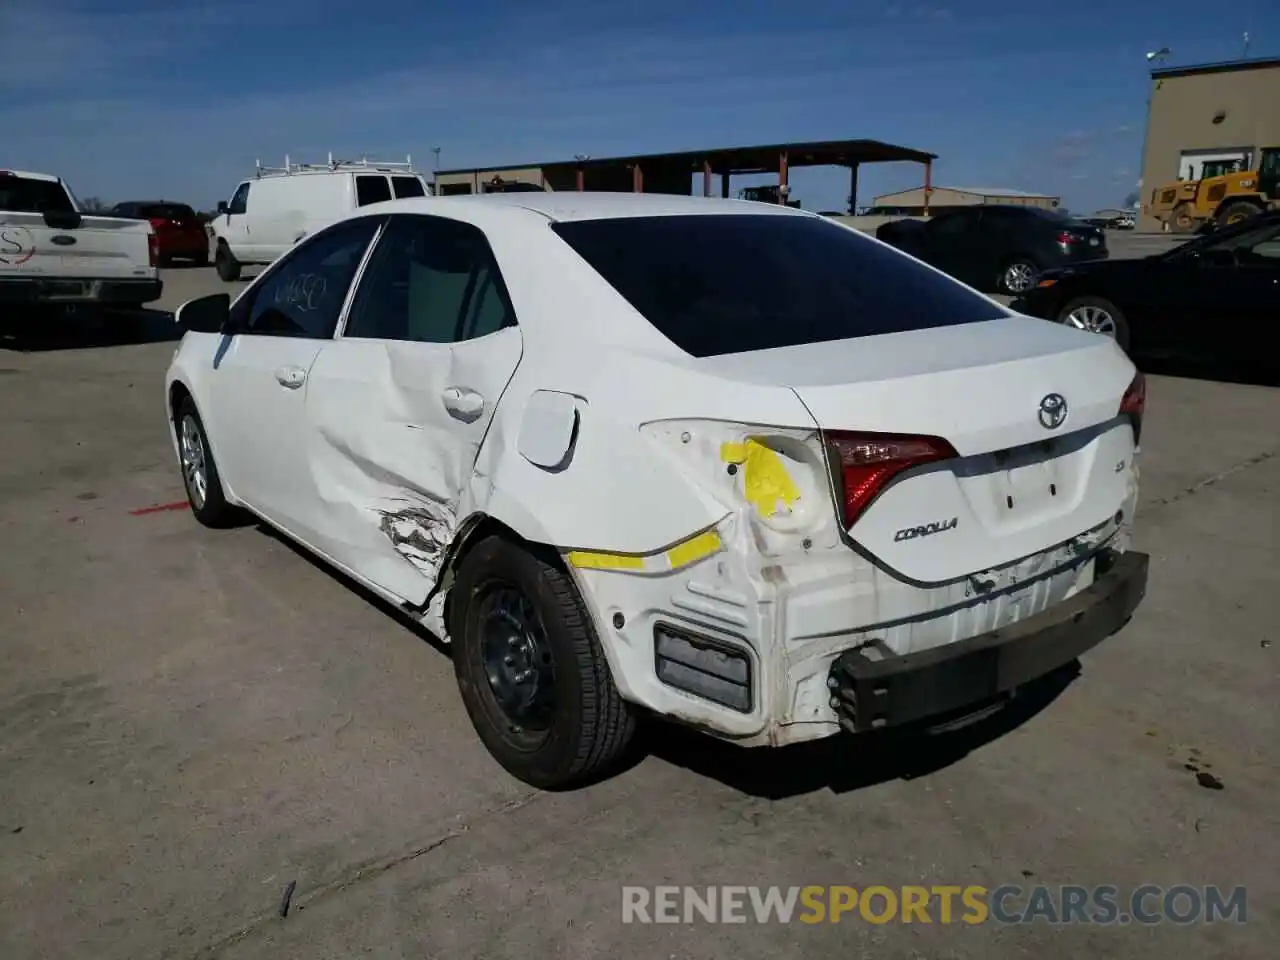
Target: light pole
1153,56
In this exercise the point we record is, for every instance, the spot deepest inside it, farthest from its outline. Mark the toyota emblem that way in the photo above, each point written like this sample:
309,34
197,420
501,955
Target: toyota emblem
1053,411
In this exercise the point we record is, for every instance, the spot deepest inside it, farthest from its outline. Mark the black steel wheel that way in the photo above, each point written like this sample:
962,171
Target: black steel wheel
531,670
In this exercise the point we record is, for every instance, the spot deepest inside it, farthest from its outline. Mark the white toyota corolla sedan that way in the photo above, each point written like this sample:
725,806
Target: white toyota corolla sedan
729,463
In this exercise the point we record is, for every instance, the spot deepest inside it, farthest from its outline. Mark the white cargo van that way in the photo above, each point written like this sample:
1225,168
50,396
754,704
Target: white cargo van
268,214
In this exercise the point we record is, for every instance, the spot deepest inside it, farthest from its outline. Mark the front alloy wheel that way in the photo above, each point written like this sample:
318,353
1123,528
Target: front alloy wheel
195,476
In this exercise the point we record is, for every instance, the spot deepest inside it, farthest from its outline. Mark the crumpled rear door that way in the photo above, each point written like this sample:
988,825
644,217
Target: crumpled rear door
394,429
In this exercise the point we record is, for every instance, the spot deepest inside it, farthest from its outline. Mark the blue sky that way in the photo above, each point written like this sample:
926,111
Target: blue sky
144,98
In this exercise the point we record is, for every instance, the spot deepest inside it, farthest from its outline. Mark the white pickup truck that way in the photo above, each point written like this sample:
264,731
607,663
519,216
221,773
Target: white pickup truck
52,255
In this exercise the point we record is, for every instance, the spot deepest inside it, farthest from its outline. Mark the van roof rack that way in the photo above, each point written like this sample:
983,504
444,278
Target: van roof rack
364,163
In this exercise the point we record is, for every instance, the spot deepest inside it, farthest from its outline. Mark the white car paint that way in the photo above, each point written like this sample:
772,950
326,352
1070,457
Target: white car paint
85,259
693,490
269,213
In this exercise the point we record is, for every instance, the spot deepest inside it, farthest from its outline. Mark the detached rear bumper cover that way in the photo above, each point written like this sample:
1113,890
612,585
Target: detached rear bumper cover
869,694
76,290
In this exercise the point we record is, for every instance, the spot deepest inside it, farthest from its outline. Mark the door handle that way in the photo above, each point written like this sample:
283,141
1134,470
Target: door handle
463,403
291,377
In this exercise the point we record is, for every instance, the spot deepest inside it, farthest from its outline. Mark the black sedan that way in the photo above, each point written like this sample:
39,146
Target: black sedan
1213,294
998,247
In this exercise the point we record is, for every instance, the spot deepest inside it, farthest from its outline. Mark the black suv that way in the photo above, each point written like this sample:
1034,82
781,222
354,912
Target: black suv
997,248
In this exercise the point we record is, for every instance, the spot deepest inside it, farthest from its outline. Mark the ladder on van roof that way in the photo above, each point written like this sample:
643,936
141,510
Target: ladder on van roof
364,163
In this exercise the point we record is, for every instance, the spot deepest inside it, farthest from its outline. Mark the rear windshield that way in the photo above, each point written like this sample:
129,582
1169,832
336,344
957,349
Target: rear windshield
26,195
733,283
167,211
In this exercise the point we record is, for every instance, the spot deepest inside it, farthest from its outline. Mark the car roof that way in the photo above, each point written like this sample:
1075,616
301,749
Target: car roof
567,205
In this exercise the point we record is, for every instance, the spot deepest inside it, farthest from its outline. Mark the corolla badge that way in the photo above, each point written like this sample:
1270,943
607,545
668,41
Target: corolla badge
1053,411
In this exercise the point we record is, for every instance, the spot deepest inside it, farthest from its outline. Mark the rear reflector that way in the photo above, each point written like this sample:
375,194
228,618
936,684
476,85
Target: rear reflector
1134,403
863,464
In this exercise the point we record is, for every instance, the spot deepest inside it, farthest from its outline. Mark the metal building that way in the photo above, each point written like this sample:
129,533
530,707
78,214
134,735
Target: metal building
1214,113
675,172
921,200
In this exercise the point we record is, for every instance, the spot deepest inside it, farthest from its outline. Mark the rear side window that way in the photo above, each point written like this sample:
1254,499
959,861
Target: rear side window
371,189
734,283
408,187
28,195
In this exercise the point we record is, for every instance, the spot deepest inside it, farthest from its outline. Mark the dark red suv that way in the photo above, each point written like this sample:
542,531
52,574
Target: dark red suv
180,233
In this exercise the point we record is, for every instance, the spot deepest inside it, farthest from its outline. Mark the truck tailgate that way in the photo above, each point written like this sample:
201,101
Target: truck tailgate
96,248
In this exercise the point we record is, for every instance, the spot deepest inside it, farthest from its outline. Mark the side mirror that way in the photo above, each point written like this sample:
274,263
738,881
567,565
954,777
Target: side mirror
222,206
205,314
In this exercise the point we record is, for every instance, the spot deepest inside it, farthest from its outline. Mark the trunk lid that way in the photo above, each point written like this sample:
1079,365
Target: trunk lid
1017,486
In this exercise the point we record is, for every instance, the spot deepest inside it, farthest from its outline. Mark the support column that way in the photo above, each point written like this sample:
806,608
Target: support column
706,178
783,193
928,184
853,189
581,180
724,185
637,178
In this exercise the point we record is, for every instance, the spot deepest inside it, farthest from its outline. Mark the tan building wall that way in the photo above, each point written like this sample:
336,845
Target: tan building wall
476,179
951,197
1181,128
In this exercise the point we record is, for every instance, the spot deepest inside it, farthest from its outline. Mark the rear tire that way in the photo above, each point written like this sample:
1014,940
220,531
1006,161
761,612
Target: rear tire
1237,212
226,264
199,472
531,671
201,259
1096,315
1018,276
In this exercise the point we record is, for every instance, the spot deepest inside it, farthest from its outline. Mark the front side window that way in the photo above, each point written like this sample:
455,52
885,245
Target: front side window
303,295
1249,245
718,284
430,280
240,201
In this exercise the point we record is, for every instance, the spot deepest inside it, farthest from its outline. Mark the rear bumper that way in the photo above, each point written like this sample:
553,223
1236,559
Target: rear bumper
78,290
869,694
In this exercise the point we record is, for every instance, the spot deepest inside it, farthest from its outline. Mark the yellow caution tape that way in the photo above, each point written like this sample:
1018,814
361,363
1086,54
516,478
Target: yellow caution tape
589,560
693,549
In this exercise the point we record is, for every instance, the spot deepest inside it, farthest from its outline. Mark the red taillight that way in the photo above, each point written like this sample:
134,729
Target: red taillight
153,249
1134,403
864,463
1067,238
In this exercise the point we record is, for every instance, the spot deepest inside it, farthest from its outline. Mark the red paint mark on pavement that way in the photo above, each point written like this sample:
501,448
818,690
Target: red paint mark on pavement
159,508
